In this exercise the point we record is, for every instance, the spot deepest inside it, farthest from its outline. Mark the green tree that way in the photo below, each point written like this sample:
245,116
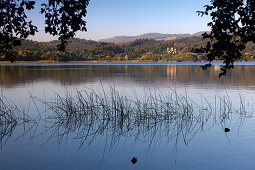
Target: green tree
91,56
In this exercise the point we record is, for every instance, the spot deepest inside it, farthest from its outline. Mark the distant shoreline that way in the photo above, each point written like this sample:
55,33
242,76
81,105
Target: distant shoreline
105,61
130,62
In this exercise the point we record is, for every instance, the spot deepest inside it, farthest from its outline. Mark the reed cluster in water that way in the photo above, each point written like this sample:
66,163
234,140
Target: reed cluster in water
10,117
86,115
89,113
7,112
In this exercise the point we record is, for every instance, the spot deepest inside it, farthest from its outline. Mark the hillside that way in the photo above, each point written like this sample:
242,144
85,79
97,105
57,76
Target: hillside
179,49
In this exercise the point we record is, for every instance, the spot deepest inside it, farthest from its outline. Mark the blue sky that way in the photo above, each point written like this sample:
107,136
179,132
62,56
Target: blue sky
108,18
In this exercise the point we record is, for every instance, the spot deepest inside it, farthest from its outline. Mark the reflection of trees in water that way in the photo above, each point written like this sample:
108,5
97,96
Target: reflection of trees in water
145,74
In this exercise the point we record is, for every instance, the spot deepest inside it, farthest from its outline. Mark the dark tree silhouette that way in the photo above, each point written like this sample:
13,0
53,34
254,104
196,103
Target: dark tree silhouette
232,27
13,25
62,18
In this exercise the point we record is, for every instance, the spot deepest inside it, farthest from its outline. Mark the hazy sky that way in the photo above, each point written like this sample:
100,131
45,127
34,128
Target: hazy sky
108,18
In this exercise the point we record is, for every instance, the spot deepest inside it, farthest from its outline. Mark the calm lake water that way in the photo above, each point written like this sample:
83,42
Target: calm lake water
100,116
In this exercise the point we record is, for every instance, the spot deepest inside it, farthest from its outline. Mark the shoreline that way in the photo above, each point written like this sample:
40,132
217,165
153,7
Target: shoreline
131,62
108,61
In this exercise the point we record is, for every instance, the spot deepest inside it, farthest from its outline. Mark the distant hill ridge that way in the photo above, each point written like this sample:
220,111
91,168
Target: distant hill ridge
155,36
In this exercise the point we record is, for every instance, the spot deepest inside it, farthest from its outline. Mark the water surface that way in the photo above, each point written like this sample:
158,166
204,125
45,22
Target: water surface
52,142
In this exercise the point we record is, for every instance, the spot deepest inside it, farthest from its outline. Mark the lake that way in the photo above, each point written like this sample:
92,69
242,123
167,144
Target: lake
100,116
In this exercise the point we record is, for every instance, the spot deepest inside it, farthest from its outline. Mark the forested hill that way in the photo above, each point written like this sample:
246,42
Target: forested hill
154,36
137,50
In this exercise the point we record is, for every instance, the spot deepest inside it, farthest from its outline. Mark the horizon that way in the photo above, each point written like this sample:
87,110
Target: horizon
132,18
101,40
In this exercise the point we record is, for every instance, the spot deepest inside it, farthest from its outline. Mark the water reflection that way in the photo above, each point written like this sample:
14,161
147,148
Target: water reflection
171,72
145,119
154,75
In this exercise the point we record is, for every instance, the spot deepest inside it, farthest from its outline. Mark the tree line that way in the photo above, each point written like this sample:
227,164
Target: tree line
179,50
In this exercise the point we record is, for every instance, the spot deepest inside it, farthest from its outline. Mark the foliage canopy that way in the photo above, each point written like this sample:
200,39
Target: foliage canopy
62,18
232,27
